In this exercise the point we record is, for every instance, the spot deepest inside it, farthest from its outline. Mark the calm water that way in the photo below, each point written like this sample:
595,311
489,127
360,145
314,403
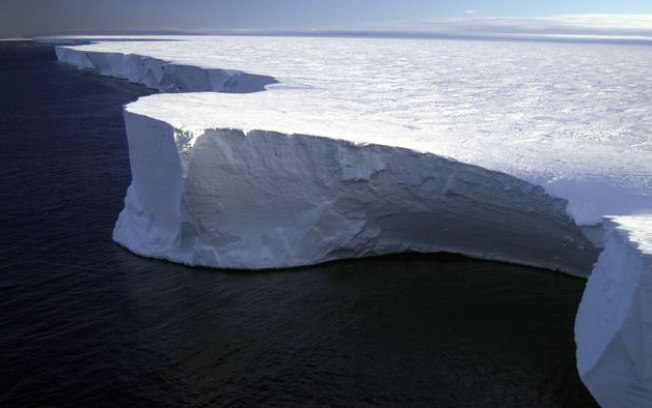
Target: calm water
85,323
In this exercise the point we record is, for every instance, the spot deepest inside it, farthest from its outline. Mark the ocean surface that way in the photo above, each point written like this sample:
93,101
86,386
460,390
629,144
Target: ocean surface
84,322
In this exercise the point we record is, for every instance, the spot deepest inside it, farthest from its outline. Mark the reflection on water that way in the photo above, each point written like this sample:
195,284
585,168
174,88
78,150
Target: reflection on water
85,323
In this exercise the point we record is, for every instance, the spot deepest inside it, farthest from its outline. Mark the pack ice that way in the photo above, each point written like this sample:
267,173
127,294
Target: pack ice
315,149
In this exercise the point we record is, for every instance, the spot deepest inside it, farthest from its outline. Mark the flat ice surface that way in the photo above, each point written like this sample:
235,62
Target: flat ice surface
574,118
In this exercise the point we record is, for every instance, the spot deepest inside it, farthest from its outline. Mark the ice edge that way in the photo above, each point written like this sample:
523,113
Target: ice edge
162,75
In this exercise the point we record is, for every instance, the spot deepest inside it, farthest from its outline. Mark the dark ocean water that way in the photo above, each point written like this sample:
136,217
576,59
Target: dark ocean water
85,323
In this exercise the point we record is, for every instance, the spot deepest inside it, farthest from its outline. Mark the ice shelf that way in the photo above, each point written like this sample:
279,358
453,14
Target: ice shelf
352,150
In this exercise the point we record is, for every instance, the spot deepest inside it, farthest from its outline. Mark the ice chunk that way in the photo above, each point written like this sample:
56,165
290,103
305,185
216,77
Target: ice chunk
613,329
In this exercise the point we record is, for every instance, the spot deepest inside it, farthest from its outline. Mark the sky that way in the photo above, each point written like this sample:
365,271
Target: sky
42,17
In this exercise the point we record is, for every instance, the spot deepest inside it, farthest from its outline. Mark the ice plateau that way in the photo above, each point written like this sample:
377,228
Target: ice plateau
358,147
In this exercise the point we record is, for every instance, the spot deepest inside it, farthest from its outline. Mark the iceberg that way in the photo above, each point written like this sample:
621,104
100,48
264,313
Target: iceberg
533,154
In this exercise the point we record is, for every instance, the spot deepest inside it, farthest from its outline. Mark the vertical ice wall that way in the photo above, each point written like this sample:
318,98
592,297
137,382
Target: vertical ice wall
251,199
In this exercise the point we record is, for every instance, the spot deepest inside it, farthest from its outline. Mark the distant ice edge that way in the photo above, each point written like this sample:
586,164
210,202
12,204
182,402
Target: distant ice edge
162,75
614,361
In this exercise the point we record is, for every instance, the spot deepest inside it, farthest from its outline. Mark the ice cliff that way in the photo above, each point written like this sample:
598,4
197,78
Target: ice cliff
239,193
318,167
162,75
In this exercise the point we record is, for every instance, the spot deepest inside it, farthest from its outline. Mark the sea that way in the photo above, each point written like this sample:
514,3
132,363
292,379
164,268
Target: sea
85,323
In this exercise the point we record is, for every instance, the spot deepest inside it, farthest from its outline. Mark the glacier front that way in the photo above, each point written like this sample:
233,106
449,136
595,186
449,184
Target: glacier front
358,147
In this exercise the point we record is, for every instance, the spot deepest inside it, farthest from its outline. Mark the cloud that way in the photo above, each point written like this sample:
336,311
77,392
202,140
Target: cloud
605,28
620,25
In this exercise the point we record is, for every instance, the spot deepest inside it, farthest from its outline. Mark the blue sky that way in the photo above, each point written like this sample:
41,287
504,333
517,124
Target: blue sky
31,17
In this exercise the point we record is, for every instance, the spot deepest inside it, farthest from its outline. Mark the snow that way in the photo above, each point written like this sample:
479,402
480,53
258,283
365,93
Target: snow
357,147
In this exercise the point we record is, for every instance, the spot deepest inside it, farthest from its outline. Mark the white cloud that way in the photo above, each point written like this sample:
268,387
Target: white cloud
632,28
630,25
606,21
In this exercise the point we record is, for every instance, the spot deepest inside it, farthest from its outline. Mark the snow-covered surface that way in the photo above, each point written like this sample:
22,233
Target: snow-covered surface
367,146
573,118
614,322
